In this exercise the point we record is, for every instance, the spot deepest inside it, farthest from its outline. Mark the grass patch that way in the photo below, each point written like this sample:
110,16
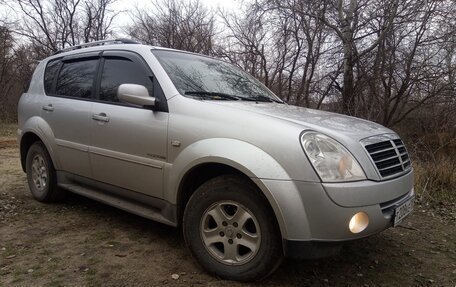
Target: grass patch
436,181
434,163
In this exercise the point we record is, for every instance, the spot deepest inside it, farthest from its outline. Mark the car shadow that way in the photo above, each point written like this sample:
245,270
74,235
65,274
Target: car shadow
360,262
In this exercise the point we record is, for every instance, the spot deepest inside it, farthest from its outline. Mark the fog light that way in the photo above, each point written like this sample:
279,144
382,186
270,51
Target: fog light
358,222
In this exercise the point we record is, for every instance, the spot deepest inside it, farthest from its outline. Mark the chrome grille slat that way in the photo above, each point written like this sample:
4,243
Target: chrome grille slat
390,167
385,154
383,150
389,155
388,158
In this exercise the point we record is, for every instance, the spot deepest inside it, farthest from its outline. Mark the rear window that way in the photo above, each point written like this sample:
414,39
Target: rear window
76,79
50,73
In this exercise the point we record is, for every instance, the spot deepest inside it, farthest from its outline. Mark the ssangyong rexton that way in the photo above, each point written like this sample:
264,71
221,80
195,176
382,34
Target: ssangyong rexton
191,141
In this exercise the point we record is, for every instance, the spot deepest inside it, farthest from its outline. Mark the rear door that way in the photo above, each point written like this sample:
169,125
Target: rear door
69,87
128,143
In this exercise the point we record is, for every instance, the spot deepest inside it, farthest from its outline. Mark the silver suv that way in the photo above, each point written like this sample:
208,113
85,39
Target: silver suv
191,141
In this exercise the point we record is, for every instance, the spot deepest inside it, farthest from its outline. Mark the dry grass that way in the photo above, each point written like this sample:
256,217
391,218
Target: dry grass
434,163
436,181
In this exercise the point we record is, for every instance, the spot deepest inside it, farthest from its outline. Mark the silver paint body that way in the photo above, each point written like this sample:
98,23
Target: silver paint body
150,152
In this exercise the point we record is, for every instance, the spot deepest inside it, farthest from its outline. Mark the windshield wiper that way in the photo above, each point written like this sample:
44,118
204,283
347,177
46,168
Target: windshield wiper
213,95
224,96
262,98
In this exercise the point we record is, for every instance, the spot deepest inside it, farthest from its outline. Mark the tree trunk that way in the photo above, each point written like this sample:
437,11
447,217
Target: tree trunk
348,87
346,20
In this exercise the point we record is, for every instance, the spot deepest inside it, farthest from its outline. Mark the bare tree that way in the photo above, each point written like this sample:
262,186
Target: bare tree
382,59
53,25
175,24
282,48
245,46
385,60
6,64
16,67
356,25
410,67
98,19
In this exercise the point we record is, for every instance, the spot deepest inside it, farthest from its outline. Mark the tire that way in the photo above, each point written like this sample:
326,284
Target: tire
221,216
41,175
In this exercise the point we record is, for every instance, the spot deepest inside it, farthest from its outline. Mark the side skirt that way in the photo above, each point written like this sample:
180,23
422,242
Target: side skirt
137,203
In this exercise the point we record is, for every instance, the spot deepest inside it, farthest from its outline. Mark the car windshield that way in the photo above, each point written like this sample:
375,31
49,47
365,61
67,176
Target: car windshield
206,78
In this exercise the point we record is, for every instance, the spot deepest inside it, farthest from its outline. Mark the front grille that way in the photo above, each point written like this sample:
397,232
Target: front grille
389,156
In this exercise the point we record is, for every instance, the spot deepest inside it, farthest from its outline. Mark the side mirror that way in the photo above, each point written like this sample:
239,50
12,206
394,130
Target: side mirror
135,95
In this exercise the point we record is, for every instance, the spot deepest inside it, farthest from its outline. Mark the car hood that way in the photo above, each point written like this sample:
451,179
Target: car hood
332,124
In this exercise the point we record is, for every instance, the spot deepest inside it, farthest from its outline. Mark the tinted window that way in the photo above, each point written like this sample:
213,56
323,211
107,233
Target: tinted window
117,71
76,78
49,74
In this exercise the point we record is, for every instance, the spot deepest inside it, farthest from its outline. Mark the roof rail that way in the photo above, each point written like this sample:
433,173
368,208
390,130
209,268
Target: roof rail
98,43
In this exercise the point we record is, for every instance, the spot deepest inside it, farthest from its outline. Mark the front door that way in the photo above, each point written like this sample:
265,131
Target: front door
128,143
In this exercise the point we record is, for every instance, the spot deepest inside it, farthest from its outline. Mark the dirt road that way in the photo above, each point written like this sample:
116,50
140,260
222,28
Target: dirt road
82,242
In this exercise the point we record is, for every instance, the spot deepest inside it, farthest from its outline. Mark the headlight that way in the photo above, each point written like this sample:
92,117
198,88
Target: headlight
331,160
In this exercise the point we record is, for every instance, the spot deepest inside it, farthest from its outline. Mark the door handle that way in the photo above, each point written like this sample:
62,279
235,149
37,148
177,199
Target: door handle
101,117
48,108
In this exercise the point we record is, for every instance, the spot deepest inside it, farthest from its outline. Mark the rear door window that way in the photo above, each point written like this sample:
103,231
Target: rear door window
76,78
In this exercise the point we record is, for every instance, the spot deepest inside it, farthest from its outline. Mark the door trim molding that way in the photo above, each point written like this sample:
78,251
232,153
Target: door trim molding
126,157
72,145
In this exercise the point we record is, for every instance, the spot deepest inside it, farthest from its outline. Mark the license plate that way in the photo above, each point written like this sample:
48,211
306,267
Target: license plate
402,211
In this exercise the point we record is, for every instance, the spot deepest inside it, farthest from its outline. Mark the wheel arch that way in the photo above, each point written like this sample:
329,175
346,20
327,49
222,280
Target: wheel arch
36,129
206,160
27,140
197,176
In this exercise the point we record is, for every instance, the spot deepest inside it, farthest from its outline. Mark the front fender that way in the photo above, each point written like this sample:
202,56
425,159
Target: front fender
245,157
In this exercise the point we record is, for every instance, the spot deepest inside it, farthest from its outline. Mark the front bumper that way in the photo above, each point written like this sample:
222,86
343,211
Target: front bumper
308,212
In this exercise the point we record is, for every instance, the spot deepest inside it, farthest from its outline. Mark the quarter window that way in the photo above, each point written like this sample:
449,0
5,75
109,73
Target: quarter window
51,71
76,78
117,71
